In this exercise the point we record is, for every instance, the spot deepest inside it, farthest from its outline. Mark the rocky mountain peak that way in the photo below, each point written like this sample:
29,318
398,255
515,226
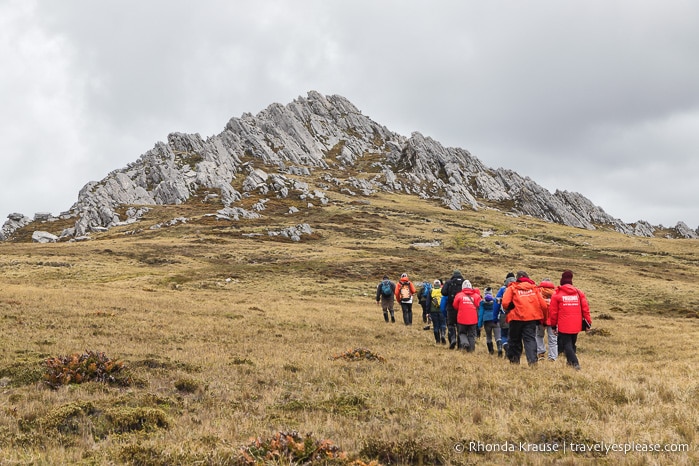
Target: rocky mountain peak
327,136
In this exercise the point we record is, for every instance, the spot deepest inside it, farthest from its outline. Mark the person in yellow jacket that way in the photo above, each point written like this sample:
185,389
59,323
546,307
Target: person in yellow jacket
525,308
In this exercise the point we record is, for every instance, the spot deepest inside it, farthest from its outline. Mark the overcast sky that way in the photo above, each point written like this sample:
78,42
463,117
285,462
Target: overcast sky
596,96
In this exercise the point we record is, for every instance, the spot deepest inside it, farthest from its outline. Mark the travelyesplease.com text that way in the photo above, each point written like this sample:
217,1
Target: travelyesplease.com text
570,447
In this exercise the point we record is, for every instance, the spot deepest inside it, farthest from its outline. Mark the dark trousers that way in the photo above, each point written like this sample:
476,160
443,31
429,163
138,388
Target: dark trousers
566,344
425,310
439,325
451,326
522,333
407,313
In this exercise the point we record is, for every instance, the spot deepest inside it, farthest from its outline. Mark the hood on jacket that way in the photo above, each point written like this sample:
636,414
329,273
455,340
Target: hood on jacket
526,280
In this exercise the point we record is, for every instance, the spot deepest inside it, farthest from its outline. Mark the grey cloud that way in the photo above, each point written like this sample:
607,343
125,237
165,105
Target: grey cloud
581,97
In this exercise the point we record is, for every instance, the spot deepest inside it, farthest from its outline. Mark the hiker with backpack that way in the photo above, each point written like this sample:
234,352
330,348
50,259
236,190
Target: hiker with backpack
451,288
487,318
439,323
424,296
466,304
404,294
385,296
525,308
569,315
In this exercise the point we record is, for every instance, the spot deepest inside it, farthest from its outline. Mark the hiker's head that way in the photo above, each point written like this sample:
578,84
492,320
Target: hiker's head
385,277
567,278
522,274
437,283
466,285
488,298
404,276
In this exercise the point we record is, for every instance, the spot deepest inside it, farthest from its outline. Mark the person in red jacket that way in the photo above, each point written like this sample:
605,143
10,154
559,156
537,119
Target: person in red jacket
466,305
404,295
567,311
525,308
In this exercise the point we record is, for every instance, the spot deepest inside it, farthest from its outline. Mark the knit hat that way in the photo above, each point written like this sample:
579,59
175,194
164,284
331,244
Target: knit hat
404,275
509,275
567,278
509,280
488,297
457,273
522,274
385,277
437,283
466,284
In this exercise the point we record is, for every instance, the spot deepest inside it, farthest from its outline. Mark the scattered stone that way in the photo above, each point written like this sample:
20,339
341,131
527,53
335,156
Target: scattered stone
43,217
44,237
293,233
431,244
236,213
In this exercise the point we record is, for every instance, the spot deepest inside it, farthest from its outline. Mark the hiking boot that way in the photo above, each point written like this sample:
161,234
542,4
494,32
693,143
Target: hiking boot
490,348
499,348
576,367
444,341
452,345
393,319
426,327
552,360
541,356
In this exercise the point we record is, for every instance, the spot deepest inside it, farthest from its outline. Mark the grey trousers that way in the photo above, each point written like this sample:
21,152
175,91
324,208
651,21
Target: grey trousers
467,336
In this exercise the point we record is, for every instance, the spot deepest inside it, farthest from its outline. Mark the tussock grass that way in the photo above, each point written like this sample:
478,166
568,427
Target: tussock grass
229,338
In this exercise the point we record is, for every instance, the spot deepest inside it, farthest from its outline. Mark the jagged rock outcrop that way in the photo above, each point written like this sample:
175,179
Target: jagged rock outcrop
643,228
14,222
265,154
683,231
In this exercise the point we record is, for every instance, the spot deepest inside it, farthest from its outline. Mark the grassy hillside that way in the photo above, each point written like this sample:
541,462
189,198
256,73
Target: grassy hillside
228,334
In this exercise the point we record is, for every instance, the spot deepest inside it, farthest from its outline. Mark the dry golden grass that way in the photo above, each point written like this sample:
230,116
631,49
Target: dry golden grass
229,337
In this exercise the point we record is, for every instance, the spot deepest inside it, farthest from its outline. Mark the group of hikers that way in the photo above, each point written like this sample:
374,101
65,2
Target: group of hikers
520,315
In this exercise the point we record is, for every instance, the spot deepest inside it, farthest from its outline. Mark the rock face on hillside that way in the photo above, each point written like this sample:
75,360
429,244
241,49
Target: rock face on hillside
270,154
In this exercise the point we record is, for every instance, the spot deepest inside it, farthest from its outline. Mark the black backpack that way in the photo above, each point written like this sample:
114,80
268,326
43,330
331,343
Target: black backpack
454,289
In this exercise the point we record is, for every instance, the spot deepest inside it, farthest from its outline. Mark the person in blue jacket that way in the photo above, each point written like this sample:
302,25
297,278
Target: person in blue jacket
500,313
488,319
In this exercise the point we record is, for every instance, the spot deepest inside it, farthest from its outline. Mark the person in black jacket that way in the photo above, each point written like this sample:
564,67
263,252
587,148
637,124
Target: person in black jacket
450,289
384,296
